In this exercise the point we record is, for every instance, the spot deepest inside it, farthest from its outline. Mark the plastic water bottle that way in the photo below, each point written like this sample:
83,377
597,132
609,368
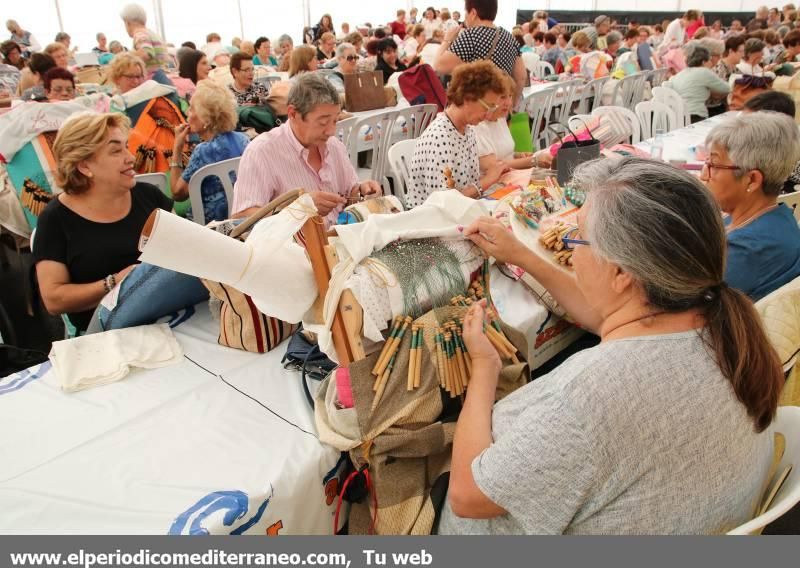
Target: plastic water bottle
657,145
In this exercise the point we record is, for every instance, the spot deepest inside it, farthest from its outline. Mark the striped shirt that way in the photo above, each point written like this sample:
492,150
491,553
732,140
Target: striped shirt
155,48
276,162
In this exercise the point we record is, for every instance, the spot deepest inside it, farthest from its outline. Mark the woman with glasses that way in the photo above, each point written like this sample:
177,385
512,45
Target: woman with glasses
346,63
664,426
745,171
59,85
446,155
127,72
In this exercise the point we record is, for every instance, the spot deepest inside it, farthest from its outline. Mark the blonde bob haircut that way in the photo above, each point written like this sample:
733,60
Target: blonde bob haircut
215,106
78,139
121,63
301,59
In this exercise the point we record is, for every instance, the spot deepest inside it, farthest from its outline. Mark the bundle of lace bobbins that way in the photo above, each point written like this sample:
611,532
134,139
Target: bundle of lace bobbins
552,240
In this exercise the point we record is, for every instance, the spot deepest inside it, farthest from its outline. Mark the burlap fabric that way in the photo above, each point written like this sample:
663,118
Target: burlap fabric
403,440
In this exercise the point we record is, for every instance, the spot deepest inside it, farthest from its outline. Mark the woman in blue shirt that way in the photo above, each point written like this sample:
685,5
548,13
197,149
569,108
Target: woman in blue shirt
750,157
213,116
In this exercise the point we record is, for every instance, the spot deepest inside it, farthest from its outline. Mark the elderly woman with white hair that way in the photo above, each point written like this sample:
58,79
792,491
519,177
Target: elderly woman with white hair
147,44
698,82
620,438
346,64
213,117
750,157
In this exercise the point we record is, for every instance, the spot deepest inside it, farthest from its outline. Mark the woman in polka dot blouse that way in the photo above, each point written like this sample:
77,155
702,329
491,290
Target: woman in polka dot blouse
446,155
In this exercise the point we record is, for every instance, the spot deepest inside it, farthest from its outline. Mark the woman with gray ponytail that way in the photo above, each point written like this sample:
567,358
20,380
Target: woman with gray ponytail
664,426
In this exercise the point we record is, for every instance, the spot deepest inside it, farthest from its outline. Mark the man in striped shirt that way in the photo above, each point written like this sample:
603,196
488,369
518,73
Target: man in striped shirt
302,153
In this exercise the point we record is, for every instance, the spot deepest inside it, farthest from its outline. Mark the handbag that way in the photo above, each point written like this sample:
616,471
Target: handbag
241,325
573,153
278,98
746,87
364,91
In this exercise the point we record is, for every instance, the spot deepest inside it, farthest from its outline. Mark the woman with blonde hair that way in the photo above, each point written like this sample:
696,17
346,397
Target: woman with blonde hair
303,60
213,116
58,51
87,237
126,72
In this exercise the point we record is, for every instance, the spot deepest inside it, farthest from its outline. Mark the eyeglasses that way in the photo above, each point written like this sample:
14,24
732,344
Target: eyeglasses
708,166
352,57
569,242
67,90
134,77
487,107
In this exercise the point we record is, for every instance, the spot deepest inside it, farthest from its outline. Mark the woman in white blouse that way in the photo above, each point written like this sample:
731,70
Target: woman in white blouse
431,22
496,145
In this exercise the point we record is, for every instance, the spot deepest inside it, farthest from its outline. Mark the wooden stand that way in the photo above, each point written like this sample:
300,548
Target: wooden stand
347,323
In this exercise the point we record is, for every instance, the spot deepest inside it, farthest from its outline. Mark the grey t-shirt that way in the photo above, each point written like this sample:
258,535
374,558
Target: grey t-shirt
640,435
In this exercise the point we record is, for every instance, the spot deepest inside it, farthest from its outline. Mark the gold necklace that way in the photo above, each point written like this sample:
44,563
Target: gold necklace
750,219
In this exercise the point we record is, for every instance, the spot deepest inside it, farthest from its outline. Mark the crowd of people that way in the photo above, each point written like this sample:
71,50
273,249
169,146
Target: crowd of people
667,265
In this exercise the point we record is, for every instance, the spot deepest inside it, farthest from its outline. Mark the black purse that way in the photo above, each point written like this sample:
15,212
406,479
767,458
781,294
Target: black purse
573,153
306,357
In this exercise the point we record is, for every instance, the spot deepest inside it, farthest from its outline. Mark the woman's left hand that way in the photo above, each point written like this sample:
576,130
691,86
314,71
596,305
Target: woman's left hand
370,189
480,348
543,158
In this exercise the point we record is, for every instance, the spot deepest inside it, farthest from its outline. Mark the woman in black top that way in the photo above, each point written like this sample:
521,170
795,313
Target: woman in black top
387,59
87,238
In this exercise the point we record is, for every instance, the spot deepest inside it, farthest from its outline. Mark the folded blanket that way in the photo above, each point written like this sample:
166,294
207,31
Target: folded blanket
102,358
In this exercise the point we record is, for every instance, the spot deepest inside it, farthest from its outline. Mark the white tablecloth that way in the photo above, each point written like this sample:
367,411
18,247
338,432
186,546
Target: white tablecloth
680,144
223,442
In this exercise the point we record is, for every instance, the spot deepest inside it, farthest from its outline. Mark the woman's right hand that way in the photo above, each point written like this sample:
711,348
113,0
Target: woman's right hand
493,238
181,133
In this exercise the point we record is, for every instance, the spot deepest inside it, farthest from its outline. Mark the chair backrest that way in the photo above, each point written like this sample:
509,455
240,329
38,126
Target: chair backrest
628,91
380,129
592,95
542,69
267,81
625,114
157,179
400,162
417,118
538,105
579,121
221,170
344,130
788,424
658,76
674,101
565,97
530,59
792,201
654,116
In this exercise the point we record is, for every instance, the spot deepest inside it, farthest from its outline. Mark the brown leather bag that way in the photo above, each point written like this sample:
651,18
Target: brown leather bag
278,99
364,91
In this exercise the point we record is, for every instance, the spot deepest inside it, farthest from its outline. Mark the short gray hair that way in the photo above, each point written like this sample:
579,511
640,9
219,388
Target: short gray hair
714,46
311,90
284,38
697,56
658,223
765,141
342,47
613,37
134,13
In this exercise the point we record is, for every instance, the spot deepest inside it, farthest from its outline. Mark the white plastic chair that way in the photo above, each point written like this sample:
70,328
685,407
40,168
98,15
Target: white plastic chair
626,115
593,90
792,201
530,59
674,101
344,130
400,162
658,76
542,69
221,170
381,127
157,179
629,91
563,101
417,118
788,424
539,106
654,116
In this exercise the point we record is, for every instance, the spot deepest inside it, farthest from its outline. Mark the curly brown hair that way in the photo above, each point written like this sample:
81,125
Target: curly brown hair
472,81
